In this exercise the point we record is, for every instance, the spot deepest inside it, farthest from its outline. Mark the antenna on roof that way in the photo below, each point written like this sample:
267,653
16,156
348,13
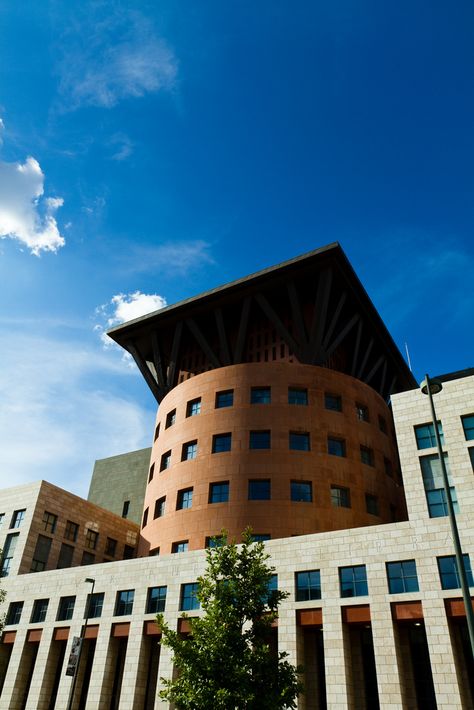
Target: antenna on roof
408,357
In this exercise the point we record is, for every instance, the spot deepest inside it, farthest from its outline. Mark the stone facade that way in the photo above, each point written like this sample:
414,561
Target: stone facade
118,483
397,650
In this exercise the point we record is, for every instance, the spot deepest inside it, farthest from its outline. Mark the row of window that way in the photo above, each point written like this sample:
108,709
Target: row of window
425,433
261,439
263,395
260,489
66,553
401,578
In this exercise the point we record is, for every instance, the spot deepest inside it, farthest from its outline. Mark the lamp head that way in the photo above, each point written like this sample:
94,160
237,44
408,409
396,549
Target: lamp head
90,580
435,386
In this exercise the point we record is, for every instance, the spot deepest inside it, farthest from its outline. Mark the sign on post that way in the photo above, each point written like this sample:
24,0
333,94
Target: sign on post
74,656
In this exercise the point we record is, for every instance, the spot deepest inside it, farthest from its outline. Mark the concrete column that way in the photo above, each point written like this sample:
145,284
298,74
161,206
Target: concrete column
41,672
445,680
337,659
133,690
291,641
165,670
97,699
9,694
386,653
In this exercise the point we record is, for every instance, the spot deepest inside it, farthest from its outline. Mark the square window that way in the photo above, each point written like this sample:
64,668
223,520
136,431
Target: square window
215,541
402,577
221,442
333,402
185,499
71,531
152,472
471,455
91,539
299,441
260,537
193,407
371,504
188,600
124,602
88,558
260,440
94,605
65,608
448,572
224,399
426,437
382,425
259,489
468,426
340,497
14,613
17,518
387,466
66,554
362,412
125,509
434,487
41,553
145,518
159,508
40,608
8,552
128,552
308,585
297,396
219,492
110,547
165,461
157,432
189,451
156,600
302,491
49,522
181,546
353,581
260,395
336,447
367,455
170,418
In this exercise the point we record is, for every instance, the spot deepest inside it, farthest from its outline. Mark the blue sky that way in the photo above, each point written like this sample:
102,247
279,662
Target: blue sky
152,150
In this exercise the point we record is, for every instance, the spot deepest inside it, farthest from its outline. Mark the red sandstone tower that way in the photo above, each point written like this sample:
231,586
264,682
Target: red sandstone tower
273,407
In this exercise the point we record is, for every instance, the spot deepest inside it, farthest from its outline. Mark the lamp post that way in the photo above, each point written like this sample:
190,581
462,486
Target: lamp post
89,580
431,387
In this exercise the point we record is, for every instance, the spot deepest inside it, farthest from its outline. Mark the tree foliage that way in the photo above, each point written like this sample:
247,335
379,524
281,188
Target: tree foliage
226,662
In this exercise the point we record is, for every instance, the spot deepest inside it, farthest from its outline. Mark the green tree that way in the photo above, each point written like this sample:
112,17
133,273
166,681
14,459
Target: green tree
226,662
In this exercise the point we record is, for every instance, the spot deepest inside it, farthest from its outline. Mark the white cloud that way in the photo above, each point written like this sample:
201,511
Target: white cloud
25,215
122,58
179,257
122,146
124,307
57,417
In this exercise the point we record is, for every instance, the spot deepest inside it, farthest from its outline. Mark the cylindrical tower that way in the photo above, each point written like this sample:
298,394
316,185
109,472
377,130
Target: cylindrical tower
273,412
288,449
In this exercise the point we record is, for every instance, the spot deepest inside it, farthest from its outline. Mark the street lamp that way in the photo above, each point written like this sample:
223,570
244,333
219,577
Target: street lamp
88,580
431,387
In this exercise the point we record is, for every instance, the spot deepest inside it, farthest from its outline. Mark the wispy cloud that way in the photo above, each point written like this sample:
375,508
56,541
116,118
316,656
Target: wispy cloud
124,307
55,426
25,214
122,57
121,146
179,257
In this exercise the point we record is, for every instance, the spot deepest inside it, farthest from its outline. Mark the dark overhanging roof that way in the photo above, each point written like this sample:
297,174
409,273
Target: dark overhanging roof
321,281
